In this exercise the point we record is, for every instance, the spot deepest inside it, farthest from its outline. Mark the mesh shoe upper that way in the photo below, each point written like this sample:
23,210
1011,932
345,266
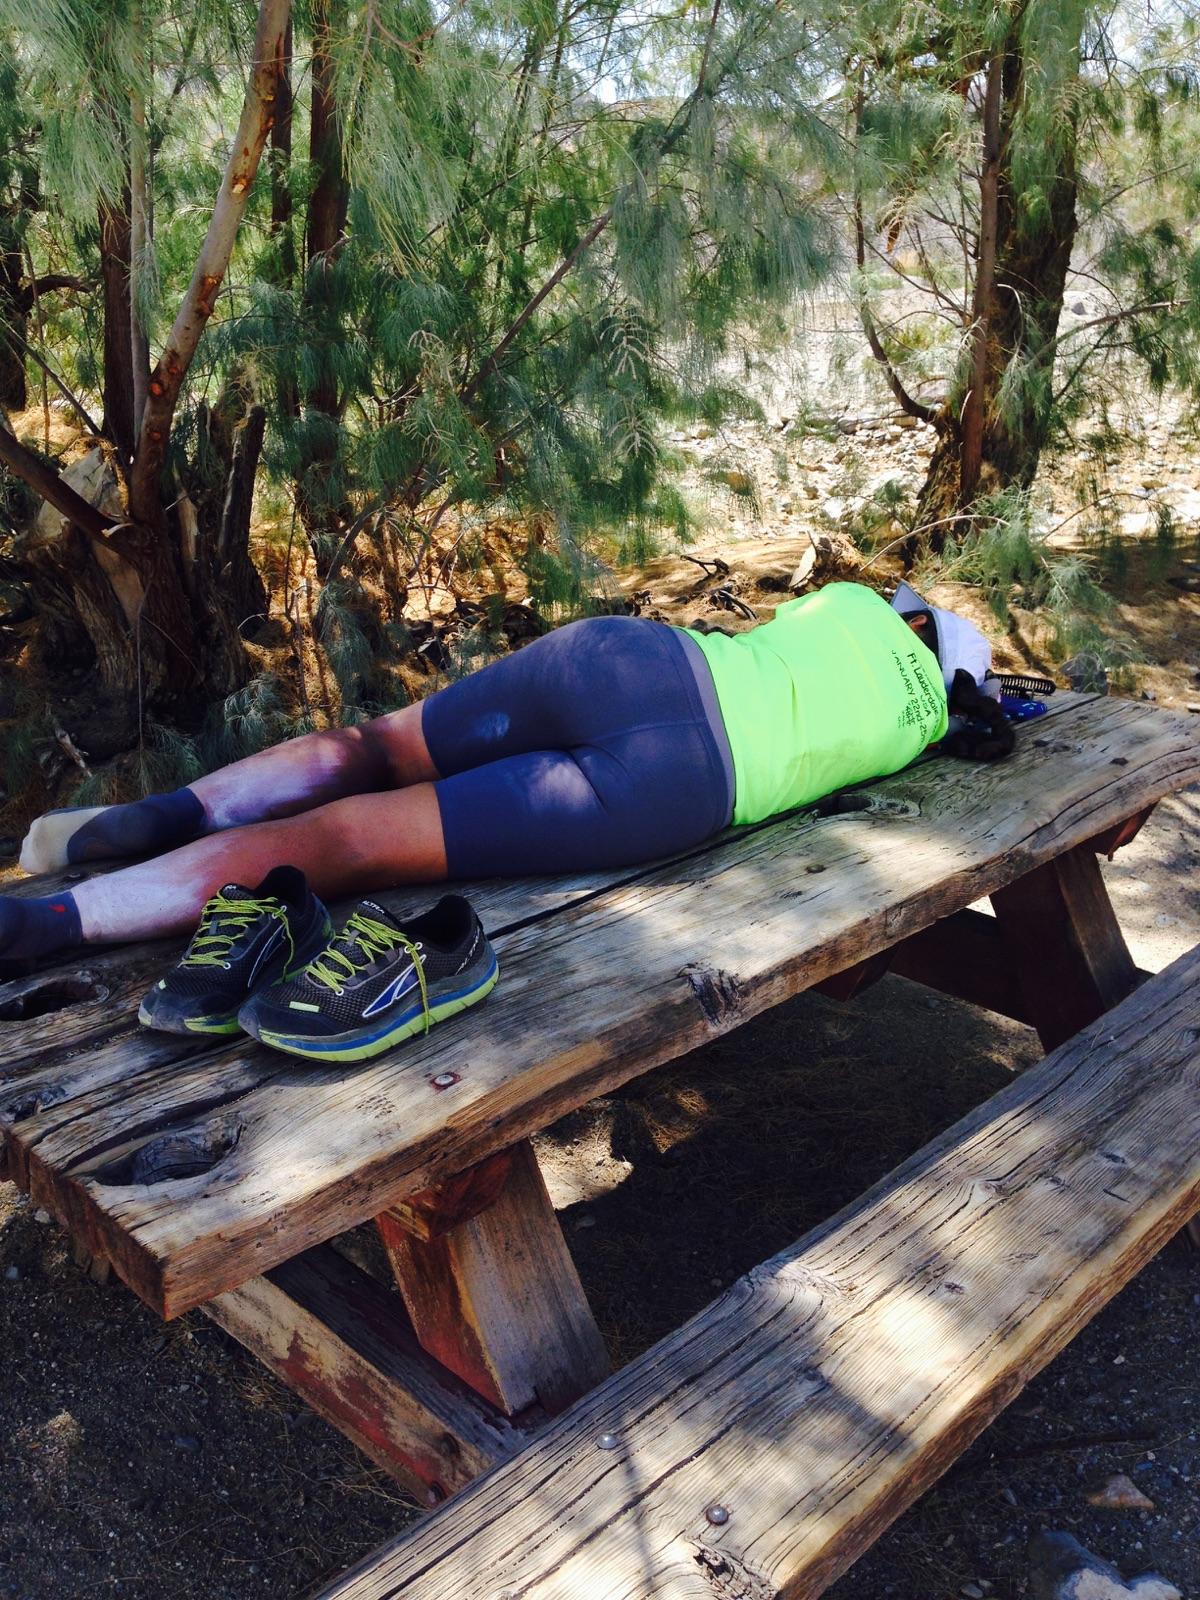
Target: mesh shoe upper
245,937
373,953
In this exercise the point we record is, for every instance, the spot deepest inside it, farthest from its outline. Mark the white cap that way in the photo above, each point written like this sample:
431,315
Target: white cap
959,642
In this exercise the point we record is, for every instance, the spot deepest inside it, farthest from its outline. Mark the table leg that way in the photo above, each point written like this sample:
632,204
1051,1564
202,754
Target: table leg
1069,956
491,1288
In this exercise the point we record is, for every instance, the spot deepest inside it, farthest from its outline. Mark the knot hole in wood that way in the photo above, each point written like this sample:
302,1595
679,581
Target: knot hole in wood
172,1156
42,997
860,802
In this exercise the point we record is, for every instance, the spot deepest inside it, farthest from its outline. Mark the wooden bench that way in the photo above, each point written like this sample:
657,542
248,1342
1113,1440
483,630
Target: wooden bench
225,1176
765,1445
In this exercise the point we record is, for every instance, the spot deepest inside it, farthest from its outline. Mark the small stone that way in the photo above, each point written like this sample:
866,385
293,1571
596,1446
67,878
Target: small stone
41,1215
12,1274
1061,1569
1120,1493
1193,706
187,1442
607,1441
972,1591
717,1515
585,1222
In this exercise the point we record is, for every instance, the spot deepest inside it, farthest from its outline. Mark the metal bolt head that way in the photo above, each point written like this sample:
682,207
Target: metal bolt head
445,1079
717,1515
607,1441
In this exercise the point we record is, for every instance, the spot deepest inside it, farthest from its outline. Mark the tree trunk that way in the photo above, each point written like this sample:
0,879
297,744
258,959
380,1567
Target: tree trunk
166,381
985,446
14,319
118,332
330,195
281,164
139,241
325,230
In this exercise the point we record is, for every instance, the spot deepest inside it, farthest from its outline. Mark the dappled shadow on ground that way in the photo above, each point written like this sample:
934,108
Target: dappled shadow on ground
741,1147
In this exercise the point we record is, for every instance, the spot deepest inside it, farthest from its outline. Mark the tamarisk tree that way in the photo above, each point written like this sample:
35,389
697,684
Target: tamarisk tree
992,142
135,588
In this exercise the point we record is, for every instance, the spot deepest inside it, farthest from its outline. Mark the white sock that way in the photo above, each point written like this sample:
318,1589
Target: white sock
44,848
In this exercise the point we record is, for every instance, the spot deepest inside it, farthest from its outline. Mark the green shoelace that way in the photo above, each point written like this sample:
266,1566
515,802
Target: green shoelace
222,924
370,939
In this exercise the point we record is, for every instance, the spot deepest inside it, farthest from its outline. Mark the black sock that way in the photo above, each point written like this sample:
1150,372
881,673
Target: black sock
32,929
141,828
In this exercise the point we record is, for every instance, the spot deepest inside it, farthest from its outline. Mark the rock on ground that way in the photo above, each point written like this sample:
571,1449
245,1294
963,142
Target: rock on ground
1061,1569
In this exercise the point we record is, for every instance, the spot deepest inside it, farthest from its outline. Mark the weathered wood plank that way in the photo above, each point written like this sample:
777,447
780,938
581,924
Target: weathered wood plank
590,997
430,1213
344,1344
1064,945
497,1300
821,1394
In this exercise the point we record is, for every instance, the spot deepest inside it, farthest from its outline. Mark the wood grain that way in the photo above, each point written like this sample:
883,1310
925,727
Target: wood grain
497,1300
344,1344
819,1396
1064,945
613,982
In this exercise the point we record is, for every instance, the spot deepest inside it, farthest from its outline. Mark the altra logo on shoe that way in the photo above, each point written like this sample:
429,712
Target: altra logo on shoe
397,988
268,946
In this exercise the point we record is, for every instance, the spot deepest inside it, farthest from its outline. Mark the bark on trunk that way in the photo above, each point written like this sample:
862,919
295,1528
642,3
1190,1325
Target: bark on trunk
14,320
324,232
118,336
139,239
281,165
983,446
330,194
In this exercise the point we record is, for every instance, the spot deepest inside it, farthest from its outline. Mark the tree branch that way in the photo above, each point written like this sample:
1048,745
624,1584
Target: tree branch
167,378
907,402
670,140
72,400
45,481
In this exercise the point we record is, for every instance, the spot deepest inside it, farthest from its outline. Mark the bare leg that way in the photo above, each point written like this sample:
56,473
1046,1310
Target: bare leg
360,843
387,753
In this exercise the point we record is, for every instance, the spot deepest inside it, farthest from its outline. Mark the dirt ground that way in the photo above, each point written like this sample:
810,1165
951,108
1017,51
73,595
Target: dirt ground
142,1460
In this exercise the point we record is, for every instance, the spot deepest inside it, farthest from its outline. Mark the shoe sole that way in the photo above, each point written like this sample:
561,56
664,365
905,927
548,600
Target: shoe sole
209,1025
352,1046
224,1026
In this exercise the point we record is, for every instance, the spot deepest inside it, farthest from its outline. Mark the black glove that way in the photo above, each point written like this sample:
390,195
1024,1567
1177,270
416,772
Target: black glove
986,733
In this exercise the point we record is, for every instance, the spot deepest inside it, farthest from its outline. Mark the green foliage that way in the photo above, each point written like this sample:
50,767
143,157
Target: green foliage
1006,553
1096,123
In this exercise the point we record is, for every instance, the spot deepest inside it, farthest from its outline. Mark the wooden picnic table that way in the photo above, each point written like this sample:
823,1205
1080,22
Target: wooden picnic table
219,1174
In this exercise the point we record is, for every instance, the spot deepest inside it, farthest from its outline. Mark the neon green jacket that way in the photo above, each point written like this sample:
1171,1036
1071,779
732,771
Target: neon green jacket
836,689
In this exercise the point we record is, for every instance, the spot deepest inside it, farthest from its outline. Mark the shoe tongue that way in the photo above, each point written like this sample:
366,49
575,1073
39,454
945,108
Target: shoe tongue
372,908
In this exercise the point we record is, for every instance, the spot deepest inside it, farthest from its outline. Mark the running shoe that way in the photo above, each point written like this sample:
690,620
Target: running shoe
379,982
247,940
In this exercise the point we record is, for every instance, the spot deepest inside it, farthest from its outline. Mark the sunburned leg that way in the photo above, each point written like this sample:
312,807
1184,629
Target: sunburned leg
387,753
347,847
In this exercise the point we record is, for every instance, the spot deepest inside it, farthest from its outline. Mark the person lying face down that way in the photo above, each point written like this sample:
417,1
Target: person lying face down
606,743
